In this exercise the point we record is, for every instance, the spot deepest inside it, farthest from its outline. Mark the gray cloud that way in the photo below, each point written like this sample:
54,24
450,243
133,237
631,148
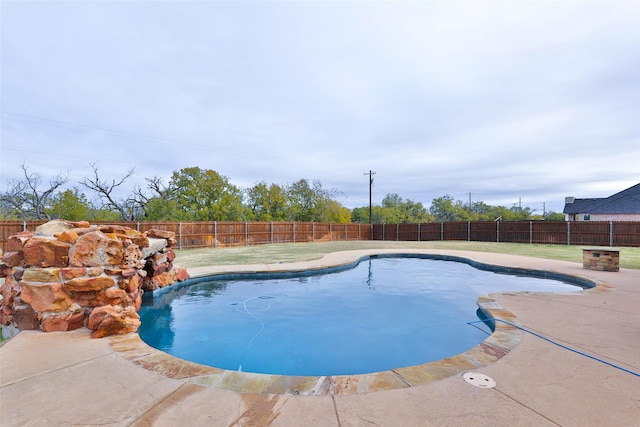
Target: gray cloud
509,101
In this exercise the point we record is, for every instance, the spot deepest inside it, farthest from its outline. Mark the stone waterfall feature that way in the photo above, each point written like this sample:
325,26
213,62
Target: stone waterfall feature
67,275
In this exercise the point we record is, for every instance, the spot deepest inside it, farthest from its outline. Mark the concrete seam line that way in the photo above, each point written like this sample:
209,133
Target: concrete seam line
335,409
525,406
84,362
159,401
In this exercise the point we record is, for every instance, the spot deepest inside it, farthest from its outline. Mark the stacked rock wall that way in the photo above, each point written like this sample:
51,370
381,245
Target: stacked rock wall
67,275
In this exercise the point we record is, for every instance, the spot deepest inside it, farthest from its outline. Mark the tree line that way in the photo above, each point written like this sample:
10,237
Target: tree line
195,194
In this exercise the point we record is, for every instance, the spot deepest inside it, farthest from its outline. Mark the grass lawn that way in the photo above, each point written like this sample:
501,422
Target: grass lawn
291,252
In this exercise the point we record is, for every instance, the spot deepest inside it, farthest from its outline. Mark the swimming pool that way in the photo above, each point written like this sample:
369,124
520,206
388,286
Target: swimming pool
383,313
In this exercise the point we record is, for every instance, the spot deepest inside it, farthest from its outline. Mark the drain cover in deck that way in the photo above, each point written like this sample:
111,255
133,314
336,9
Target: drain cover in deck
479,380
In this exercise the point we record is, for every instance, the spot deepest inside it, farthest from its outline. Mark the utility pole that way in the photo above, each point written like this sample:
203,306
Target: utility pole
469,193
370,184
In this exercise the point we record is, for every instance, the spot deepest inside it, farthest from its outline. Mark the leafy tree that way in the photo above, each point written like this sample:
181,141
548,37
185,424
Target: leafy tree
159,209
103,214
266,203
360,214
71,205
338,213
446,209
554,216
392,200
392,209
205,195
497,213
301,200
415,212
378,215
312,203
396,210
518,213
193,194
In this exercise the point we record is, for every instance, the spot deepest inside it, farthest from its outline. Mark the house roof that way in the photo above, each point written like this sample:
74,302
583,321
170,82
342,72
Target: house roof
624,202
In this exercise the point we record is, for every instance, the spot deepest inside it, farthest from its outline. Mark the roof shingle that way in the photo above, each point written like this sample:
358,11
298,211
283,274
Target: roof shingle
624,202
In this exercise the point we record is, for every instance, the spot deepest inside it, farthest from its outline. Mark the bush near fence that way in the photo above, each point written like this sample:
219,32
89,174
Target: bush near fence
228,233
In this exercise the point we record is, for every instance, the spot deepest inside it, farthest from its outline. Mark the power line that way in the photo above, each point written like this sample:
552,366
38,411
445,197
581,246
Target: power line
77,126
43,121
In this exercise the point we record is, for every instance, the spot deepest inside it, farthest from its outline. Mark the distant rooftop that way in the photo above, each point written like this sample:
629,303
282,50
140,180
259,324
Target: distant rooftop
624,202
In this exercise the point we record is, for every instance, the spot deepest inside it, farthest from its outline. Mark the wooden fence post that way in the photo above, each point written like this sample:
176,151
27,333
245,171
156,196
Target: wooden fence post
530,232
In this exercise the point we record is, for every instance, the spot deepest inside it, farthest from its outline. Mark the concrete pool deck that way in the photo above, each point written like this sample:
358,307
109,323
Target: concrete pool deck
71,379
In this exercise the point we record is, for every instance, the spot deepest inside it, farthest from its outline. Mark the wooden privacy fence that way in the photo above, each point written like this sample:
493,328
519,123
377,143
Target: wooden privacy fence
600,233
228,233
225,233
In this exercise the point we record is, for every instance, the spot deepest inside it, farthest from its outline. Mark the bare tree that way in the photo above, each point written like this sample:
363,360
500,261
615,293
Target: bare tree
26,199
160,190
106,193
140,199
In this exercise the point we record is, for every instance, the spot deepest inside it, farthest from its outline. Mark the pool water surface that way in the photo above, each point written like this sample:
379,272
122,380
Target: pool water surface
384,313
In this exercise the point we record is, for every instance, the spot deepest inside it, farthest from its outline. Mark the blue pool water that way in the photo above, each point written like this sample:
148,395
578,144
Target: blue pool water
384,313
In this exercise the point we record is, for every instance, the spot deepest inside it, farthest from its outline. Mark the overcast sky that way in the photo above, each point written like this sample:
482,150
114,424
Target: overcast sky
510,101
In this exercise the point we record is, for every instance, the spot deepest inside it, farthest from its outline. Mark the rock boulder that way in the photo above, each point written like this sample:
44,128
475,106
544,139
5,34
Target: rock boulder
67,275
